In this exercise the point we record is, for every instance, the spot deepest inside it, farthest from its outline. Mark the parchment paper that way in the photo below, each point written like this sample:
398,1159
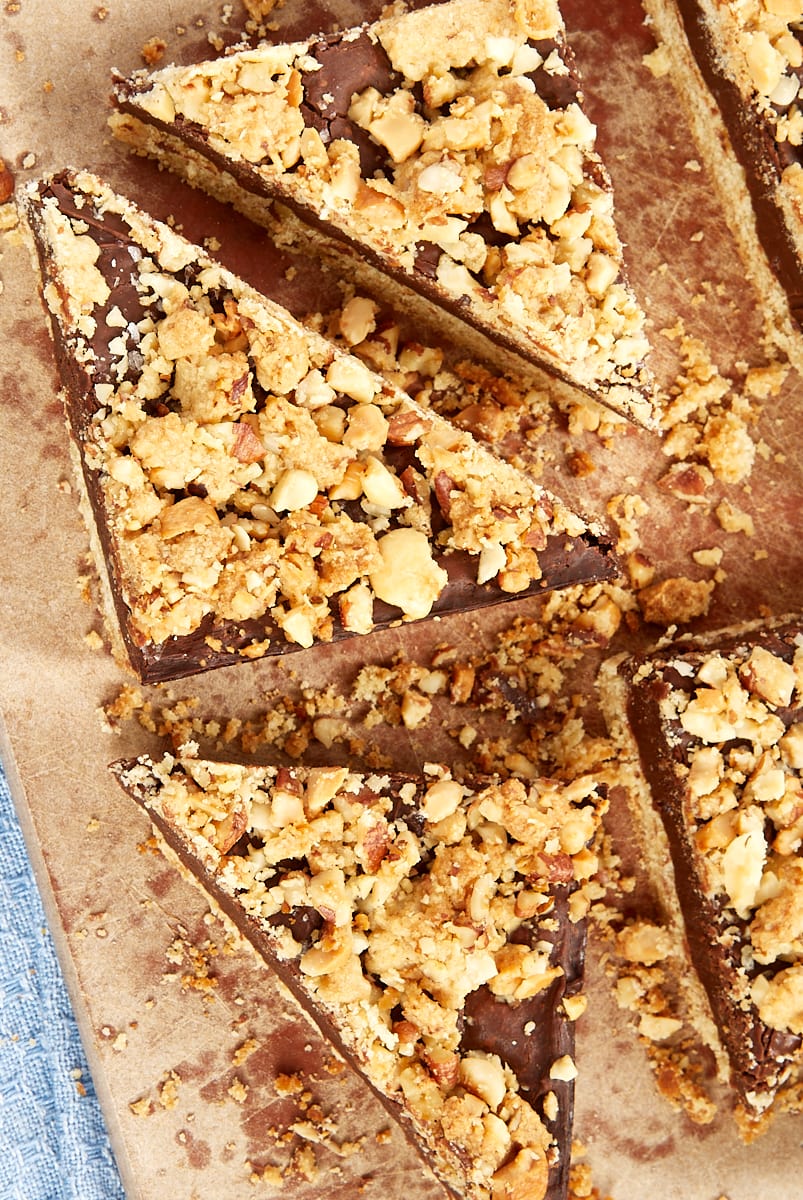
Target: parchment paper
159,1037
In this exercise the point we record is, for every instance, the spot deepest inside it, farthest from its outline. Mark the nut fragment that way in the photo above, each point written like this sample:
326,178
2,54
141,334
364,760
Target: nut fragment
406,427
563,1068
294,489
768,676
409,578
485,1077
441,799
357,609
186,516
380,208
525,1177
367,428
381,487
358,319
349,376
323,784
314,391
415,709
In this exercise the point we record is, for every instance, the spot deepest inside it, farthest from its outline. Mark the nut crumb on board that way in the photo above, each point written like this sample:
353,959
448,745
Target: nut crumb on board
153,50
675,601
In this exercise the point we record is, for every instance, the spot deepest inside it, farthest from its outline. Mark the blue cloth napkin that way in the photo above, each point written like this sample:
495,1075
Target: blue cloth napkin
53,1142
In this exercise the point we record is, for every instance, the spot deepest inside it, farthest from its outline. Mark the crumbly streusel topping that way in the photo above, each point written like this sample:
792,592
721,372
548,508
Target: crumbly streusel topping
761,42
766,40
248,468
418,890
739,731
487,160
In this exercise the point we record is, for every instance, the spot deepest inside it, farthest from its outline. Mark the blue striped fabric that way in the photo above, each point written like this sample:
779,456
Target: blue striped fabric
53,1140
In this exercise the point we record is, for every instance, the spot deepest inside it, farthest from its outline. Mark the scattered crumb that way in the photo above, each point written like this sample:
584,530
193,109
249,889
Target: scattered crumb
288,1085
238,1091
734,520
153,50
762,382
270,1174
304,1163
168,1090
675,601
679,1075
244,1051
709,557
625,510
658,62
580,464
705,417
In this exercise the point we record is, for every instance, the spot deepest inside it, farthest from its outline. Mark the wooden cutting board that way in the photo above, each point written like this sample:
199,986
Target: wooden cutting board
168,1005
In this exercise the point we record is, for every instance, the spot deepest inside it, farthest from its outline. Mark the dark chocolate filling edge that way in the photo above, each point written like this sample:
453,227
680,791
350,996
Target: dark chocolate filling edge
572,945
565,561
757,1053
757,152
419,279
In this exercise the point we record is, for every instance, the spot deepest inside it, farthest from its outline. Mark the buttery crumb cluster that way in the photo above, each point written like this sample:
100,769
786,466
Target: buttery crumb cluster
480,169
397,900
741,722
250,469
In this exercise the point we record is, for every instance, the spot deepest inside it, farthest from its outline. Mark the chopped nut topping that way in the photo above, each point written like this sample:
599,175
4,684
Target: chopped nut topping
251,471
466,127
725,774
404,924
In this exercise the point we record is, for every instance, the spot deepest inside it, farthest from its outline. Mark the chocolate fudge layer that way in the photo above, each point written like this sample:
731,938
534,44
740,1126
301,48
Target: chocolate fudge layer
719,731
252,489
749,59
433,929
447,145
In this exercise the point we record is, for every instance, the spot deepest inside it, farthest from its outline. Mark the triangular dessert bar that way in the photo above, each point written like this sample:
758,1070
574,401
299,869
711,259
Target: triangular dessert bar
737,71
252,489
718,727
433,929
444,143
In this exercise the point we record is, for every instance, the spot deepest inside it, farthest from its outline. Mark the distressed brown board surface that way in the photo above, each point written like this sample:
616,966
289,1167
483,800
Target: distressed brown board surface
127,927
